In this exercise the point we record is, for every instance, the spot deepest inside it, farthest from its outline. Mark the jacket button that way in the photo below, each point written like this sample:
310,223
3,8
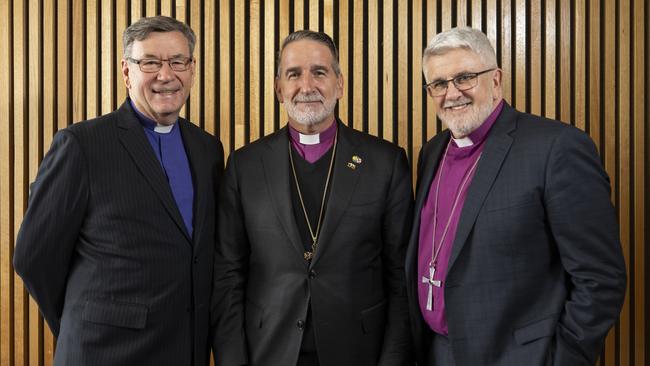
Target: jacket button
300,324
196,259
312,274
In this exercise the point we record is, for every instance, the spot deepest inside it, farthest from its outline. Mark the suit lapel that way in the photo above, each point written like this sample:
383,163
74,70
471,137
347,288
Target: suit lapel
199,179
343,183
496,149
428,165
135,142
278,175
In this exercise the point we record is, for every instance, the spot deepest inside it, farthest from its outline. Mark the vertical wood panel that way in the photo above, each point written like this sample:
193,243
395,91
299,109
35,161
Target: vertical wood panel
374,74
584,62
49,91
254,74
640,290
6,272
19,61
623,172
35,152
387,72
535,80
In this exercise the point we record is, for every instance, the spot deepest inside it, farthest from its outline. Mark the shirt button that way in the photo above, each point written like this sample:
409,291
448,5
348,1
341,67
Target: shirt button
300,324
312,274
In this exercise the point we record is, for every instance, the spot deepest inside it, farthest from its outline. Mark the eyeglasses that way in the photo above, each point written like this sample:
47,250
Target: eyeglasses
154,64
461,82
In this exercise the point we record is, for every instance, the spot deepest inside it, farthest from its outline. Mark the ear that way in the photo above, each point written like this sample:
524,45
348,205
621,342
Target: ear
125,73
339,87
496,83
278,90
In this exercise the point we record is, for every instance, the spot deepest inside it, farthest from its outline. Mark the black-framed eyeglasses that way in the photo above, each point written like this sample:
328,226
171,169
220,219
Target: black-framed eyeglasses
461,82
155,64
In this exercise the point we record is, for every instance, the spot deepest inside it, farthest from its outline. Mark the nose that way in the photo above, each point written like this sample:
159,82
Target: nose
452,91
307,84
166,73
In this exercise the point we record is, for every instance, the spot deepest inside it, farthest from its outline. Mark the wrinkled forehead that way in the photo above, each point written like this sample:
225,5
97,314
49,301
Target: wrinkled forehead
451,63
161,43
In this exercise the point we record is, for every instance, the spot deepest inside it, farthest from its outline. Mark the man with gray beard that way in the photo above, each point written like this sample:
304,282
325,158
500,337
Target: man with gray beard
514,257
313,226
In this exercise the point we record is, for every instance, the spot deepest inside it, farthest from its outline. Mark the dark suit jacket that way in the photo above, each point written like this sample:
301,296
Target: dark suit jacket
355,283
536,275
104,251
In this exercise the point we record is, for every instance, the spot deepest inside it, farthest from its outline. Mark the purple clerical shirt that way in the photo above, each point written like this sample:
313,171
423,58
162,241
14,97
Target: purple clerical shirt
461,156
312,147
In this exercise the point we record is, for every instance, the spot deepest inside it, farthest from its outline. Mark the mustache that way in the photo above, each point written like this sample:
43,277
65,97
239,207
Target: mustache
457,102
315,97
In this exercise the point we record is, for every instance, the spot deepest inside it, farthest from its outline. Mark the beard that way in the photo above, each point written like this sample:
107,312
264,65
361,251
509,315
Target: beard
462,124
310,115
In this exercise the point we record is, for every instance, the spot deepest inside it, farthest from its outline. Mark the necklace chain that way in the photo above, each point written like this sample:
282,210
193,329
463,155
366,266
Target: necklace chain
434,251
314,235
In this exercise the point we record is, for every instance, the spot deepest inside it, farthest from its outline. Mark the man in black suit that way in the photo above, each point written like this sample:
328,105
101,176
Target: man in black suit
313,226
116,246
514,257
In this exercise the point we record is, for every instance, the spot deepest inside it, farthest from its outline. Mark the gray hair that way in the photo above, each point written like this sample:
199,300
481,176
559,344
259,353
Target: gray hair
465,38
309,35
141,29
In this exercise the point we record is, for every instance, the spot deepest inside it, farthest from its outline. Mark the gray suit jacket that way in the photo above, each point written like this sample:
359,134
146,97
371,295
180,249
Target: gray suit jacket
104,251
536,275
355,282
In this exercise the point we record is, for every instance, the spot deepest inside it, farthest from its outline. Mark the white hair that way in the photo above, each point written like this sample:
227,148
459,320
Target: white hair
464,38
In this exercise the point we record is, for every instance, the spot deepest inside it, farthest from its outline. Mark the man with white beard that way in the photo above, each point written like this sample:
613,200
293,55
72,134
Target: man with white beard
514,257
313,225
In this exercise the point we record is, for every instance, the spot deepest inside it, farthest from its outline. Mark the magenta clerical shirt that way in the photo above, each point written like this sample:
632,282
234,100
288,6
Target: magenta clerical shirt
312,147
461,156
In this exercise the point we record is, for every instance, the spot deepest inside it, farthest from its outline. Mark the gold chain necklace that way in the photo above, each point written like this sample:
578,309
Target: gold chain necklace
314,235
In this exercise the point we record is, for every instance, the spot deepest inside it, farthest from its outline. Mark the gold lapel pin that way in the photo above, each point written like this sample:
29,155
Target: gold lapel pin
352,166
357,159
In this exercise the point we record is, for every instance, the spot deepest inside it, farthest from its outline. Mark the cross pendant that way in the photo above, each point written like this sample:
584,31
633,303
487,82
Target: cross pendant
431,282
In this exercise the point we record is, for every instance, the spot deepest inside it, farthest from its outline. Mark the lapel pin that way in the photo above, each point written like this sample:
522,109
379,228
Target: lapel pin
356,159
352,166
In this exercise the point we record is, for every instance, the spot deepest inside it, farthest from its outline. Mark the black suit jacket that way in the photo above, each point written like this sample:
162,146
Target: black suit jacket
104,251
536,275
355,283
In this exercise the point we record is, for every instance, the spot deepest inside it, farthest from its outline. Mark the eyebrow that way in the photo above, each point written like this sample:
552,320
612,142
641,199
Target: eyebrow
149,55
453,77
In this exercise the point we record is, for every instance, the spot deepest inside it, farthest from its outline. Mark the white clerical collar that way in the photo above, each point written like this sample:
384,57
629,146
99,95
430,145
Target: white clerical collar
309,139
163,128
463,142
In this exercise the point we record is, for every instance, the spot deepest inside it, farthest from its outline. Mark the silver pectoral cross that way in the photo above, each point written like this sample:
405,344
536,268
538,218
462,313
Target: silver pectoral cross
431,282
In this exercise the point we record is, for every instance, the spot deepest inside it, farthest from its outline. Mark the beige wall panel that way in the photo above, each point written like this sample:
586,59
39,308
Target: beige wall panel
584,62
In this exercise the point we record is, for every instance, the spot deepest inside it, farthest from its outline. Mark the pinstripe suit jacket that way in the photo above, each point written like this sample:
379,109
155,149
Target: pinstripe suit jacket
355,283
536,275
104,251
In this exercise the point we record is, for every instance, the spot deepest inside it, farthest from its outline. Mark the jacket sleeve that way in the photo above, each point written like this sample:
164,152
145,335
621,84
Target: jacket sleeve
230,273
396,227
50,227
583,224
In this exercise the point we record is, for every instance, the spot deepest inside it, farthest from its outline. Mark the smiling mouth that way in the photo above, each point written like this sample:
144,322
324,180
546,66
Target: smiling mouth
458,107
166,91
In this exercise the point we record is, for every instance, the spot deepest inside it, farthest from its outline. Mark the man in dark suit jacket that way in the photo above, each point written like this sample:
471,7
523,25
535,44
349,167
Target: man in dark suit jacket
514,257
116,246
313,226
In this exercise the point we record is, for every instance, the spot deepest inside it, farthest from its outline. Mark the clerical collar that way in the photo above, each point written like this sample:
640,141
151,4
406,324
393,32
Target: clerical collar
324,137
477,136
150,124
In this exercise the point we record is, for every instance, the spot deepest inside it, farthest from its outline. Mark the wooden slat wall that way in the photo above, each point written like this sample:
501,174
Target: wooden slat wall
584,61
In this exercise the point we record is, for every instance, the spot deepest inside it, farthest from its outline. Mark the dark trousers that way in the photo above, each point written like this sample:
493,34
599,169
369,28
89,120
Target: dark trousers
440,351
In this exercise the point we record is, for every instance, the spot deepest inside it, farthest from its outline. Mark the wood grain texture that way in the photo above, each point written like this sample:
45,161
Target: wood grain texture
583,61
